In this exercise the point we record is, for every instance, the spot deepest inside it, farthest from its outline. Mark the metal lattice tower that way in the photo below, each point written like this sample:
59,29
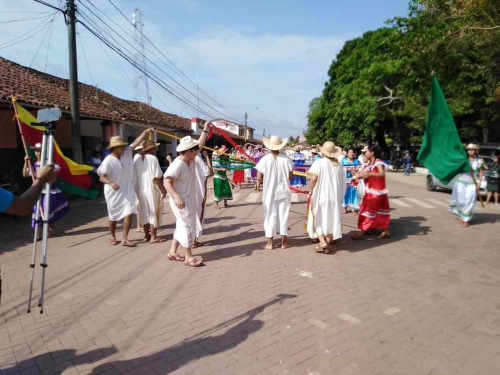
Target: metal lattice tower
141,83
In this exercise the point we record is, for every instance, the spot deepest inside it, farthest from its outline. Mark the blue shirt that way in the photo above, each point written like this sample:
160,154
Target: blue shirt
6,198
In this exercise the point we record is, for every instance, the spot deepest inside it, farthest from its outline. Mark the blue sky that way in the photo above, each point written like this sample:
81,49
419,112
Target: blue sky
273,55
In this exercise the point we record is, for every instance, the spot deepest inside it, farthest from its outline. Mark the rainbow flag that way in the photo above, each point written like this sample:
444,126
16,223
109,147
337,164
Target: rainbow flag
73,178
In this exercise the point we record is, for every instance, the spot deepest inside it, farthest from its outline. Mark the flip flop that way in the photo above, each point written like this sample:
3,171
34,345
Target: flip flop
113,242
128,244
193,262
158,240
176,257
385,235
198,244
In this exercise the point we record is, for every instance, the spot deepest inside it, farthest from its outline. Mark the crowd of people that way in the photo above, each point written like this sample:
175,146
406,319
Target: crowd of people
340,182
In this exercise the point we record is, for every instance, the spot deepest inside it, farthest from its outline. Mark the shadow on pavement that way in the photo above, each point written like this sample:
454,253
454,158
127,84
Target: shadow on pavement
58,361
232,333
401,228
233,251
211,220
482,218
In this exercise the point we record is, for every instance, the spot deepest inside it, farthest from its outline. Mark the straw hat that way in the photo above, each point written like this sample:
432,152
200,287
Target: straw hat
472,146
116,141
297,148
314,150
138,148
148,144
186,143
38,146
330,150
274,143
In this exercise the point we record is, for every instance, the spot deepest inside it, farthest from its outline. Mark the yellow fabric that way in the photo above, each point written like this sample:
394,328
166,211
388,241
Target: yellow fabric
75,169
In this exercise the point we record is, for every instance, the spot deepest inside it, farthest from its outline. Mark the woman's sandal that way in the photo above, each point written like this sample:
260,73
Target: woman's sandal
197,244
157,240
176,257
111,241
193,262
385,235
128,244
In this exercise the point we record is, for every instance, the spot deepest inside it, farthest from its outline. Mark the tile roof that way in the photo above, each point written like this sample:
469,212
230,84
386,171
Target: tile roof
33,87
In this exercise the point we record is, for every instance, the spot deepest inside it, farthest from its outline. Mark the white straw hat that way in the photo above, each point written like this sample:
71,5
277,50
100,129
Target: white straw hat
472,146
330,150
186,143
274,143
116,141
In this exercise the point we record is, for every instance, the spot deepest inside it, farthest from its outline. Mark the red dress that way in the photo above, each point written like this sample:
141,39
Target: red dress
239,176
374,212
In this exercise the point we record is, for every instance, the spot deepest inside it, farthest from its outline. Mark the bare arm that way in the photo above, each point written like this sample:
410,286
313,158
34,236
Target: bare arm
169,185
209,163
105,180
204,134
290,175
161,186
260,176
22,205
141,138
314,181
26,167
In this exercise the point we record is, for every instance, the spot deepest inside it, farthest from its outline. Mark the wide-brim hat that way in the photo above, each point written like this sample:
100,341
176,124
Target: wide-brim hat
297,148
116,141
274,143
186,143
37,146
138,148
314,151
472,146
330,150
149,144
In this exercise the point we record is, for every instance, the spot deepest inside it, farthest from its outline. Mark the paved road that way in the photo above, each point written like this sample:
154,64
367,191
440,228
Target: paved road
423,302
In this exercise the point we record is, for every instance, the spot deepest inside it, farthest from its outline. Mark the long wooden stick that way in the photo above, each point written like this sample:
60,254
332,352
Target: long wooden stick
477,189
30,166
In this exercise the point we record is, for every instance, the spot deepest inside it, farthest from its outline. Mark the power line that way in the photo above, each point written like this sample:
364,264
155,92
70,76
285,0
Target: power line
31,33
23,19
48,44
158,81
85,58
170,61
152,62
51,22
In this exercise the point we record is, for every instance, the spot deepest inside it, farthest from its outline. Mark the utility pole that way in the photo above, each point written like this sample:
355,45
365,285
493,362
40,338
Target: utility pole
140,58
76,141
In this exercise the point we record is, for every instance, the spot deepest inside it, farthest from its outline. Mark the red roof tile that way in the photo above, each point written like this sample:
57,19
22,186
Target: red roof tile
33,87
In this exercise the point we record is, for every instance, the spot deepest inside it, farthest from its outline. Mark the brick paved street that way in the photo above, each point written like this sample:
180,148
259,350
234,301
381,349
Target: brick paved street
424,302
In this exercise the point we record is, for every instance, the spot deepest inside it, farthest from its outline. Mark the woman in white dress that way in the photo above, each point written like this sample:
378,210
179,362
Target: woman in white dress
466,187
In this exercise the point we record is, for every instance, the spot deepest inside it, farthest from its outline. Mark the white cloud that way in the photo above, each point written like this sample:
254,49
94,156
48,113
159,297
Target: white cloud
239,67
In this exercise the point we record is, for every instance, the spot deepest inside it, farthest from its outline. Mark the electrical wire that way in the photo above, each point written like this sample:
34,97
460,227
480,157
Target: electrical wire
144,70
51,22
154,64
30,34
170,61
48,44
141,68
85,57
23,19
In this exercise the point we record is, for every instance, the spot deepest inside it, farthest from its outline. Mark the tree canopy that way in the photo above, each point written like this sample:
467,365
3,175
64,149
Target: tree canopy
378,85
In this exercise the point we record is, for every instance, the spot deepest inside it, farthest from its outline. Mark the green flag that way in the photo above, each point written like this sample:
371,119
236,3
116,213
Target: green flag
442,152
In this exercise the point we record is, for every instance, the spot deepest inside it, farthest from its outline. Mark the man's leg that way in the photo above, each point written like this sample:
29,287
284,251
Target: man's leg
270,222
283,212
147,236
127,223
488,196
112,230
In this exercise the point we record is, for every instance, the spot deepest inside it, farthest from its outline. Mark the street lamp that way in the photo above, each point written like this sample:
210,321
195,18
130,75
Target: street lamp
246,126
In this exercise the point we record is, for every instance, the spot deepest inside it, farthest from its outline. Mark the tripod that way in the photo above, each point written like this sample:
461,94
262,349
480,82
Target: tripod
47,157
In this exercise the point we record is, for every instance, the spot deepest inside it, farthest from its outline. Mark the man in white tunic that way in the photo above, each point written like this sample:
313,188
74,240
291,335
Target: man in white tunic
180,181
116,172
328,187
276,170
150,191
203,171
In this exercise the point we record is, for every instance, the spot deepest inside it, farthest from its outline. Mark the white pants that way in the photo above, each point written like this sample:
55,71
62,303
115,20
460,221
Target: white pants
276,216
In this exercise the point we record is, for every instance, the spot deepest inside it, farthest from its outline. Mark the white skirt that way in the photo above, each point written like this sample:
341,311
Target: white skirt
463,200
